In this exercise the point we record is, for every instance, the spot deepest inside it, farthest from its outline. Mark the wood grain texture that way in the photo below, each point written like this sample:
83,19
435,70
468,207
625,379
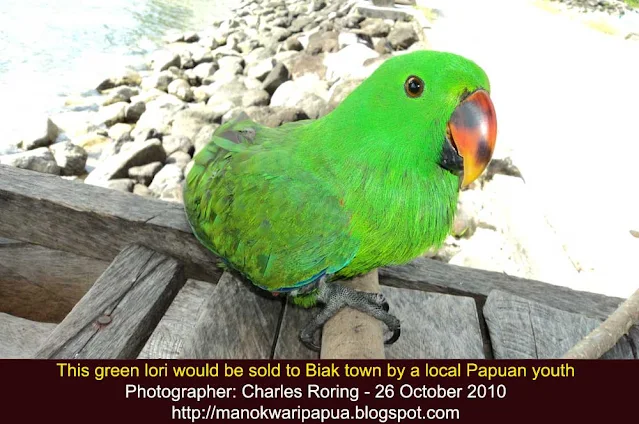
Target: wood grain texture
288,344
430,275
521,328
352,334
20,338
434,326
234,323
178,323
96,222
134,292
42,284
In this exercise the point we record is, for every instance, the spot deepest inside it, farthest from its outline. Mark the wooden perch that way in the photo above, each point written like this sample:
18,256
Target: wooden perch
604,337
352,334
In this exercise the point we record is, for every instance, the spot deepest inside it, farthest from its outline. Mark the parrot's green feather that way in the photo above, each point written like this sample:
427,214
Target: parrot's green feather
357,189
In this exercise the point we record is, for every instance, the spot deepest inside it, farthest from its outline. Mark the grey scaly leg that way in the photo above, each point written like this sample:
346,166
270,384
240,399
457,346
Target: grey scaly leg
335,297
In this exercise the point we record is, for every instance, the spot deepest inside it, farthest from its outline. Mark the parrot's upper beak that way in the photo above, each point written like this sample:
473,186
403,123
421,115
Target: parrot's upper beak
472,131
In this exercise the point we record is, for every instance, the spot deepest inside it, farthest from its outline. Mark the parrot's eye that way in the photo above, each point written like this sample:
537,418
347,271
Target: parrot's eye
414,86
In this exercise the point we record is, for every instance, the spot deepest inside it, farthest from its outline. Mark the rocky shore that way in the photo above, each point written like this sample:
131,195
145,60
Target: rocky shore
609,6
277,60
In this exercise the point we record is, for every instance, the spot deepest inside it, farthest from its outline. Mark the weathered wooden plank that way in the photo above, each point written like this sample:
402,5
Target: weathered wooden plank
235,323
521,328
96,222
178,323
117,315
20,338
288,345
434,326
430,275
42,284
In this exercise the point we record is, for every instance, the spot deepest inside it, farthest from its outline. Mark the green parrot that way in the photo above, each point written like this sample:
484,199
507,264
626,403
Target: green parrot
375,182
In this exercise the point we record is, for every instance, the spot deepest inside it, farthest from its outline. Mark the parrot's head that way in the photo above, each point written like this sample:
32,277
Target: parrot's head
440,104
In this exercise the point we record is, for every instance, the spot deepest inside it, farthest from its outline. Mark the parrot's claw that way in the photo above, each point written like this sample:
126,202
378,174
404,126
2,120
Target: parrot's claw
335,297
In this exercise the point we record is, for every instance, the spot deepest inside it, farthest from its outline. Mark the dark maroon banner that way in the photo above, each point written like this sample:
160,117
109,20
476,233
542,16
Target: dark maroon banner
317,391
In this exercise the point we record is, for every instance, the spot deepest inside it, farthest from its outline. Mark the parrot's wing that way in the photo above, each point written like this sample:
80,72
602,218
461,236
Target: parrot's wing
250,203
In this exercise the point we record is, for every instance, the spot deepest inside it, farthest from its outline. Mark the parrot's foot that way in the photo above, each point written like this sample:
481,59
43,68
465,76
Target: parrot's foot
335,297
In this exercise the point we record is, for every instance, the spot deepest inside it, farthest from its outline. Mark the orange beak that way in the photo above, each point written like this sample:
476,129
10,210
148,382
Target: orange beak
473,130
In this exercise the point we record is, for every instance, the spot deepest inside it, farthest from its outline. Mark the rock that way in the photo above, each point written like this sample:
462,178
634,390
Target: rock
258,55
159,81
402,36
382,46
232,91
181,159
201,55
464,225
122,93
293,43
291,93
177,143
247,46
259,70
340,90
188,122
347,38
181,89
191,37
256,98
135,154
204,70
120,132
304,64
322,43
168,183
134,111
278,75
375,27
70,158
74,124
313,106
163,59
148,95
144,174
252,83
204,136
119,184
125,77
279,34
112,114
231,62
232,115
39,160
352,21
317,5
300,23
348,63
39,134
142,190
275,116
202,93
158,116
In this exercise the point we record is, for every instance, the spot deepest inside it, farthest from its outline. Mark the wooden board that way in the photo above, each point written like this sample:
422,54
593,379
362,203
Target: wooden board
430,275
133,294
235,323
178,323
288,345
434,326
520,328
96,222
20,338
43,284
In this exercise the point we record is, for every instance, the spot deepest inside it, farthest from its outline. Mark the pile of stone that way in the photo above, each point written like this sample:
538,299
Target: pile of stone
614,7
276,60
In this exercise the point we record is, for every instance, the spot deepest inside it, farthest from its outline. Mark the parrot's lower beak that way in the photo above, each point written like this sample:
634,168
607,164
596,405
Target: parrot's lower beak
473,131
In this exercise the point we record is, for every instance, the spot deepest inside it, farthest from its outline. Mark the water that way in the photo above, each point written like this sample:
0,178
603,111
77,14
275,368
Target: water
53,48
